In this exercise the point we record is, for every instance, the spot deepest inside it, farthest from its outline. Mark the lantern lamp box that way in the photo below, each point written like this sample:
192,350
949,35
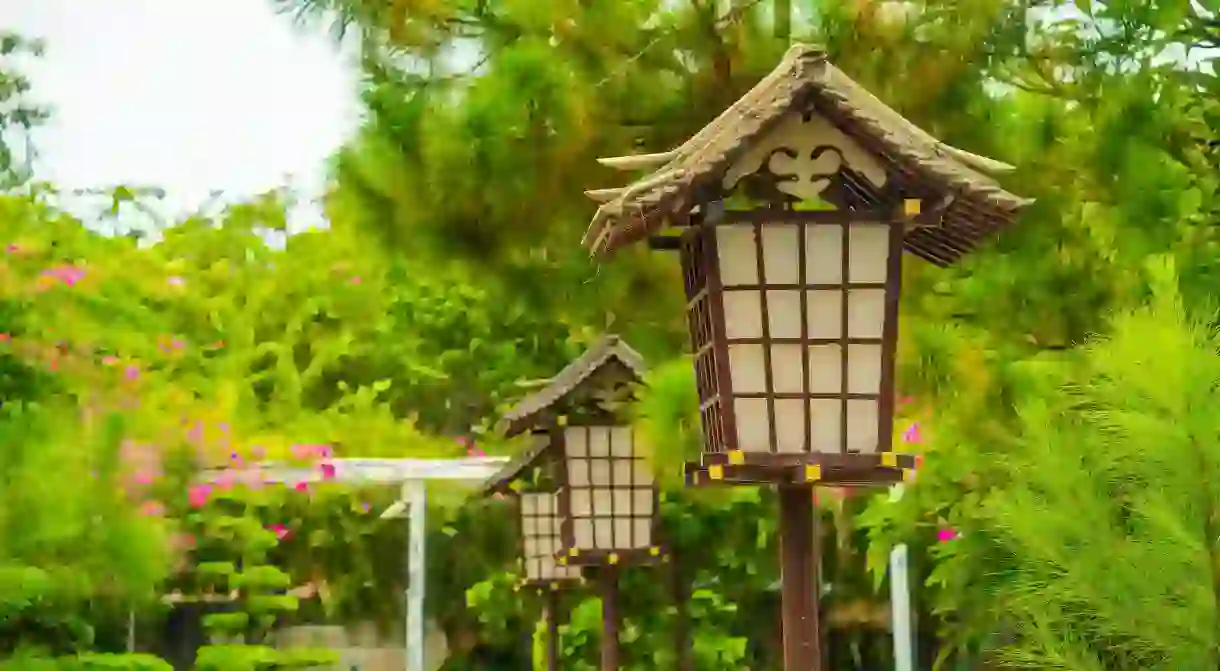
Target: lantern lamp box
792,306
602,498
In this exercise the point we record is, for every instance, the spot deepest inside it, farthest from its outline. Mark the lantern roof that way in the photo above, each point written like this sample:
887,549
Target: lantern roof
608,352
974,202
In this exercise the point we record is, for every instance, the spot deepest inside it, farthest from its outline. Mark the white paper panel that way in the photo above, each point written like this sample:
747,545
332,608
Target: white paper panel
578,472
582,533
784,313
599,471
603,533
823,254
575,442
622,502
622,533
556,526
862,426
825,369
753,425
603,498
824,313
864,369
790,424
529,503
581,504
642,499
533,569
620,441
643,473
824,424
531,547
747,369
738,254
787,369
742,313
781,255
868,252
643,532
865,312
599,440
622,472
529,526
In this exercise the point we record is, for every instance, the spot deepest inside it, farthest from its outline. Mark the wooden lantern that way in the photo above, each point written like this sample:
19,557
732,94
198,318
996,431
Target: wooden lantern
792,304
603,499
792,301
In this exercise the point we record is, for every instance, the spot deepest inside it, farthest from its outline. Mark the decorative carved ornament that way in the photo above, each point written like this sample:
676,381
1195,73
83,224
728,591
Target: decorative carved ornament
805,154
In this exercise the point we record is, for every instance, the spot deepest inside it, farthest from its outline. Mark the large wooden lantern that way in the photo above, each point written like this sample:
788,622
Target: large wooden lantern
792,209
599,511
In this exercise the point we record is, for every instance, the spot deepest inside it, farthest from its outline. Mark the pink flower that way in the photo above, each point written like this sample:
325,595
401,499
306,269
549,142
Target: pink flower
4,337
226,479
355,280
144,477
109,360
198,495
175,281
328,471
152,509
67,274
905,400
281,531
195,433
12,248
946,534
301,486
131,373
365,507
911,434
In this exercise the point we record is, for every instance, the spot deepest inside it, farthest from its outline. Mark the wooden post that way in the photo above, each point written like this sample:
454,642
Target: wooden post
800,580
681,588
607,579
551,615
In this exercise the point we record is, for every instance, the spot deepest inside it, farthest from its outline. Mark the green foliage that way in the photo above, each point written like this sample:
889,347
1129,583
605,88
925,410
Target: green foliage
259,658
86,662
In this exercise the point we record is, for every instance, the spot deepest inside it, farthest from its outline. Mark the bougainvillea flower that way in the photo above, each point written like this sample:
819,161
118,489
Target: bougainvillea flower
131,372
328,471
946,534
301,487
197,496
67,274
911,434
281,531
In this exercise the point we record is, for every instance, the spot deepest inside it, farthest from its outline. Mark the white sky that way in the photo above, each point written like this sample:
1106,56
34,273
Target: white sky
189,96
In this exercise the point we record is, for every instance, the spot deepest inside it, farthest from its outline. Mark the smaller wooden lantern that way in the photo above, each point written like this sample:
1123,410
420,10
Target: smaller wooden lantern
605,492
606,500
541,543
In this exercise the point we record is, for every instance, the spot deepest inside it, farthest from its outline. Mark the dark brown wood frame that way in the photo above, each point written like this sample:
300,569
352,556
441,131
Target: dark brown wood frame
616,556
705,312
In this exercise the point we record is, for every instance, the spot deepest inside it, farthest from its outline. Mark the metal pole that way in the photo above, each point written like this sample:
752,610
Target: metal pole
415,494
800,587
900,602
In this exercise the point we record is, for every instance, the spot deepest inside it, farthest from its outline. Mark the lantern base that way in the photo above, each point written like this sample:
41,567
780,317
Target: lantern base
592,558
764,468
